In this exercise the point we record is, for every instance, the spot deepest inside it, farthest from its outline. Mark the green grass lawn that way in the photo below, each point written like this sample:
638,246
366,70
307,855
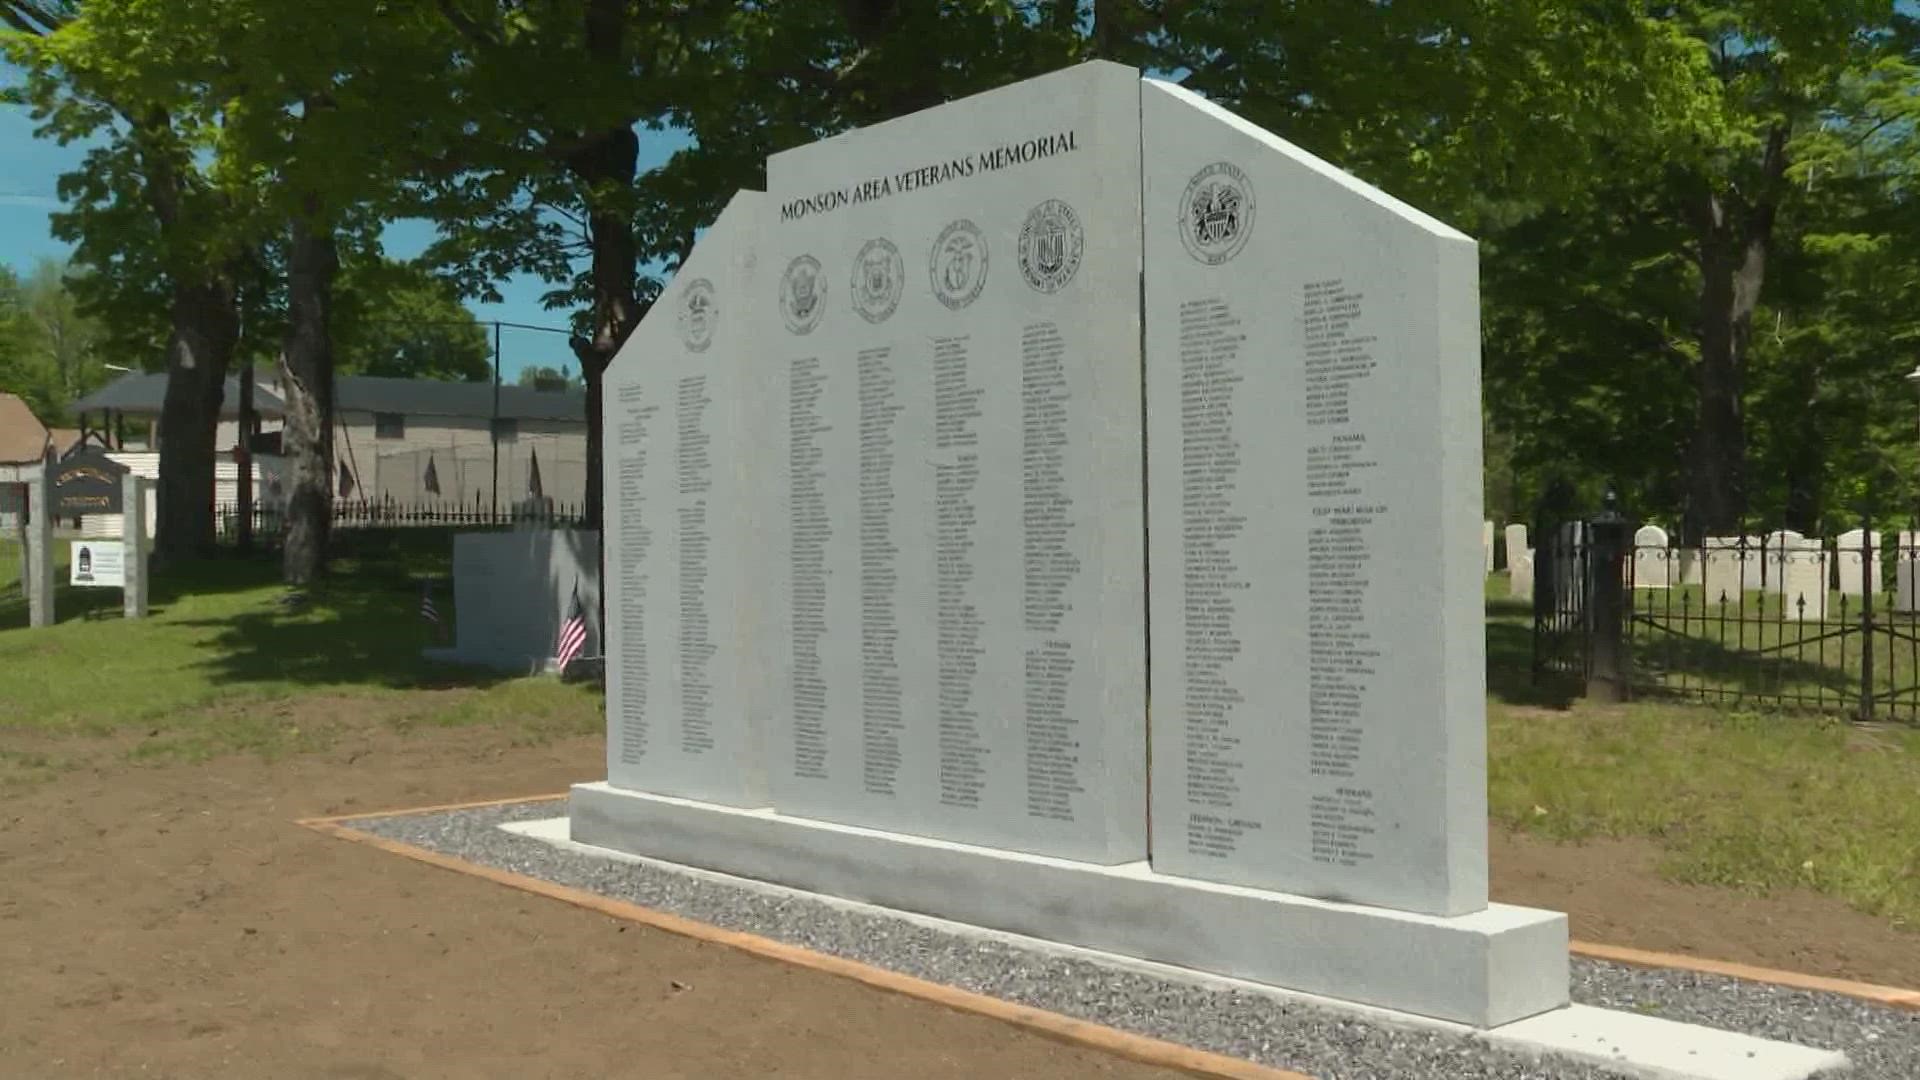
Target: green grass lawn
1736,799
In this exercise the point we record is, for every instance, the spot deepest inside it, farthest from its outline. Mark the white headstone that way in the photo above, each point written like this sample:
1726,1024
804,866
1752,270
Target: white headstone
1796,577
1313,414
1520,575
952,326
1653,560
1516,543
1906,572
1732,568
1858,567
686,406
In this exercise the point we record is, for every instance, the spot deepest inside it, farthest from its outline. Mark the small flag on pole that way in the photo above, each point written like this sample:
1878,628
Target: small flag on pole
346,481
433,477
427,611
573,633
535,489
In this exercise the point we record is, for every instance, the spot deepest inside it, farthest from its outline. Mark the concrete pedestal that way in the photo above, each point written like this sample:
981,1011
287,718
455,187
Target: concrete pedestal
1483,970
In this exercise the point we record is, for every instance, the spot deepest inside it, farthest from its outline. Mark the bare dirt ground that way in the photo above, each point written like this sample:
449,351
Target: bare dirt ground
170,920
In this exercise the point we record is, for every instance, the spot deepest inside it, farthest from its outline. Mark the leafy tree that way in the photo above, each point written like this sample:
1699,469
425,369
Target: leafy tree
541,377
398,320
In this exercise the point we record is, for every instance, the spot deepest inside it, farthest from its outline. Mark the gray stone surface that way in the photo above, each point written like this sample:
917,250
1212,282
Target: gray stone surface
135,491
39,565
511,591
948,306
1313,414
692,638
1331,1045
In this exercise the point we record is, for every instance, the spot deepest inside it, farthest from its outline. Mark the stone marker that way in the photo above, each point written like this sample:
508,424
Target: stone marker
1486,543
1906,572
510,592
1520,575
951,324
39,567
1653,560
134,547
691,413
1313,433
1856,569
1516,543
1731,569
1797,576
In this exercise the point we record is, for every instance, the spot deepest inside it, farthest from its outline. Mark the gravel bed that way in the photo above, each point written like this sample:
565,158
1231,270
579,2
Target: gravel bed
1883,1044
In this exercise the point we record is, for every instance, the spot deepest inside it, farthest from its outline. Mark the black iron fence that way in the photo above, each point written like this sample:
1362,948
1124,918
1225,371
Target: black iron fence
1761,619
269,522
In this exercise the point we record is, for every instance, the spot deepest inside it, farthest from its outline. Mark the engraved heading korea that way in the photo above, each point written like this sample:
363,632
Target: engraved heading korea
699,315
959,264
803,294
1216,213
1052,242
879,275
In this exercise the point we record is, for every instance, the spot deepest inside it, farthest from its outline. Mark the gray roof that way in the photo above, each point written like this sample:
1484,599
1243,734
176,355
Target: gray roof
430,397
141,393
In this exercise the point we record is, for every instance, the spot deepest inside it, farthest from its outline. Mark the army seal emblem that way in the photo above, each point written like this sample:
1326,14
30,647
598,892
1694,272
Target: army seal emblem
803,294
1051,243
1216,213
699,315
959,264
878,276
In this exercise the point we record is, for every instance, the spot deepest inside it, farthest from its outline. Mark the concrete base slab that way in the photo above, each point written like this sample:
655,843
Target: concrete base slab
1658,1049
1483,970
1638,1045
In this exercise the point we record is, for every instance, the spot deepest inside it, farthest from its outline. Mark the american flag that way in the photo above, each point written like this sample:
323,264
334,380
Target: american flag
573,633
427,610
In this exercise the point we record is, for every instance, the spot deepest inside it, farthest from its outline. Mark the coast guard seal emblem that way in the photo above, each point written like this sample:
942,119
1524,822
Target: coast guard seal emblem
1216,213
698,315
1051,243
878,276
803,294
959,264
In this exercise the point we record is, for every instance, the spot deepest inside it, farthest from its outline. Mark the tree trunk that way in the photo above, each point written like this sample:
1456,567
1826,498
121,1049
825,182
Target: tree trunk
206,327
1734,242
307,376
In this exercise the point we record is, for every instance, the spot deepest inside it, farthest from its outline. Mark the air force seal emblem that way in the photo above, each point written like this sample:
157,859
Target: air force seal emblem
878,276
803,294
1051,243
1216,213
699,315
959,264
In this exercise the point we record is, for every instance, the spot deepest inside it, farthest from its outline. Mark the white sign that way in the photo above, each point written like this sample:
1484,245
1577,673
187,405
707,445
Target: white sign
98,564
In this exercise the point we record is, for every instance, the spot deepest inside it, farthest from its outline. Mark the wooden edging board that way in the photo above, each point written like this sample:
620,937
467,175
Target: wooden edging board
1064,1029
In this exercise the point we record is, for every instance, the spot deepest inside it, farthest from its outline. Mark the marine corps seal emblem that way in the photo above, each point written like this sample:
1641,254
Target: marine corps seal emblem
698,315
1216,213
803,294
1051,243
959,264
878,276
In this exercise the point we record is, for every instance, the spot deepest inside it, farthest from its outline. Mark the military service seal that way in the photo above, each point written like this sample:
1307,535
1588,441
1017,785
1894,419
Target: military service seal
878,276
699,316
803,294
959,264
1051,243
1216,213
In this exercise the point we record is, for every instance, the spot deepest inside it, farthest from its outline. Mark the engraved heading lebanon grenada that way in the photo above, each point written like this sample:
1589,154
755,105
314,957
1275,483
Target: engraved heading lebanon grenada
803,294
1051,244
699,316
879,274
1216,213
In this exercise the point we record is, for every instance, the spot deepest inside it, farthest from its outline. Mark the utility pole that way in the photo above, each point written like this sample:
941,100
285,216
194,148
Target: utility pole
493,425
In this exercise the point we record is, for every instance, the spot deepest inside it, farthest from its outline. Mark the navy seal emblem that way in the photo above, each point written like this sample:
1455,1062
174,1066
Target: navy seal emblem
1216,213
803,294
959,264
879,274
1051,243
699,315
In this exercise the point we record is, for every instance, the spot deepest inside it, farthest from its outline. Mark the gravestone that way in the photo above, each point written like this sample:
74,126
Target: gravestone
690,421
1906,572
1520,575
956,336
511,590
1731,568
1313,433
1797,576
1858,568
1653,560
1516,542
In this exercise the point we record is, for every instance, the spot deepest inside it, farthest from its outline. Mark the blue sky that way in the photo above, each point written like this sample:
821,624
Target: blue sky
30,169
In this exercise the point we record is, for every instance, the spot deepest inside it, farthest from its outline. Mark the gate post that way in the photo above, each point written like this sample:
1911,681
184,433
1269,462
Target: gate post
1607,661
1867,555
